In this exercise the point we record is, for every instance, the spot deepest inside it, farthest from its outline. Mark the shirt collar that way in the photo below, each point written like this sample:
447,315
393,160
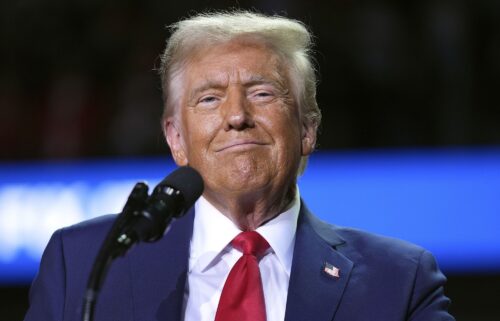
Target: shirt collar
213,231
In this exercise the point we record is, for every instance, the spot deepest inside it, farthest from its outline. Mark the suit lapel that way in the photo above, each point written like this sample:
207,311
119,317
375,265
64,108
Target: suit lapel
315,293
158,273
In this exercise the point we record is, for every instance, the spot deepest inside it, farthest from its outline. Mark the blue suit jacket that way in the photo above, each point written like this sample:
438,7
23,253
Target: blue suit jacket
380,278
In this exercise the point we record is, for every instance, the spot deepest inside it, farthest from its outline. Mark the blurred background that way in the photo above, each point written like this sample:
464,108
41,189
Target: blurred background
402,83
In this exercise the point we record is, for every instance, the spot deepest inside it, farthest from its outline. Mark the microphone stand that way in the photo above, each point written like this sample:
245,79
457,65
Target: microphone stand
144,218
116,244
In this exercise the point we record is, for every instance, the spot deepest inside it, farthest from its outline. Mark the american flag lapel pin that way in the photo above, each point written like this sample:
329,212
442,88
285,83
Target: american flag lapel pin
331,270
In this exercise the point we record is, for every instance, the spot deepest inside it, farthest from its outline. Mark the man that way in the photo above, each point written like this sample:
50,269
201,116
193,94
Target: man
240,108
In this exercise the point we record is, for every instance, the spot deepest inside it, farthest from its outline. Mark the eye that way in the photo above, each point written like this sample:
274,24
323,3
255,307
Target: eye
208,101
262,95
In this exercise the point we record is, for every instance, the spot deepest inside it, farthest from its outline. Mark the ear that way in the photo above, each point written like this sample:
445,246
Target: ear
175,141
308,138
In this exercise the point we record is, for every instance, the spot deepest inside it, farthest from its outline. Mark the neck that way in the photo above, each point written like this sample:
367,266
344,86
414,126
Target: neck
250,210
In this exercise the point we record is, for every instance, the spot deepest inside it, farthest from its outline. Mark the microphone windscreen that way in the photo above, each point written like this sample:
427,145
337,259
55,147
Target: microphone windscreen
186,180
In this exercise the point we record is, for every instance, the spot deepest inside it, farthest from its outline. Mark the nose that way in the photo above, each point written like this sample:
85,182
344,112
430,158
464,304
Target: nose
238,112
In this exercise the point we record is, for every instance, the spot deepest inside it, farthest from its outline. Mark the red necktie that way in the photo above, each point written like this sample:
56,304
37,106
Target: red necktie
242,297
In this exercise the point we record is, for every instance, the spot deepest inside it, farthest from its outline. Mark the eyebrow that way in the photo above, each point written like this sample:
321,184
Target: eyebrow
251,81
205,85
278,82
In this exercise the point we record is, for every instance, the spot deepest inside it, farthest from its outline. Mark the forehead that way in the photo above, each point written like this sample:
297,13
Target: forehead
236,60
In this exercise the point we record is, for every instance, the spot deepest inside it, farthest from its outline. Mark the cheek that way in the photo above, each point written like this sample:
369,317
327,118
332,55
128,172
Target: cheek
286,126
286,134
199,133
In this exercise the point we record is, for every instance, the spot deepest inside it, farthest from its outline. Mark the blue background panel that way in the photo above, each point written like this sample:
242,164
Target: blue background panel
445,200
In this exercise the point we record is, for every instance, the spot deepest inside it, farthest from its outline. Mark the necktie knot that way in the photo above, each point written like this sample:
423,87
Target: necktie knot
250,243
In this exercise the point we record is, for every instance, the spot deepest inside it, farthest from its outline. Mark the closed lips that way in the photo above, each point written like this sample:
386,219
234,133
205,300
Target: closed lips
240,144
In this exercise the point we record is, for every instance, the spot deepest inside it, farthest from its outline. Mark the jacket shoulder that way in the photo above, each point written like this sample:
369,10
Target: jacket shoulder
357,244
58,287
373,245
95,226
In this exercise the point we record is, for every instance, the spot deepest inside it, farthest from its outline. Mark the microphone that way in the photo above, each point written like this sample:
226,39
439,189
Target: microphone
143,218
171,198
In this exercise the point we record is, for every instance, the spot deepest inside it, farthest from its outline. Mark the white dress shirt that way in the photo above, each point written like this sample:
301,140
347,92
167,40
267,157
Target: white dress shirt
212,257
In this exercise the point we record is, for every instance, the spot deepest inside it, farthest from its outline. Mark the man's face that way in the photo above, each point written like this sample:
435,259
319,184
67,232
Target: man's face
237,121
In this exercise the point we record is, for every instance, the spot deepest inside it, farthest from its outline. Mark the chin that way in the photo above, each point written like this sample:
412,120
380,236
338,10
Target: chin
246,181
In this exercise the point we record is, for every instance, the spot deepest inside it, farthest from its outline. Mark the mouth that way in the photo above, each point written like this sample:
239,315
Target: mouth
240,145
